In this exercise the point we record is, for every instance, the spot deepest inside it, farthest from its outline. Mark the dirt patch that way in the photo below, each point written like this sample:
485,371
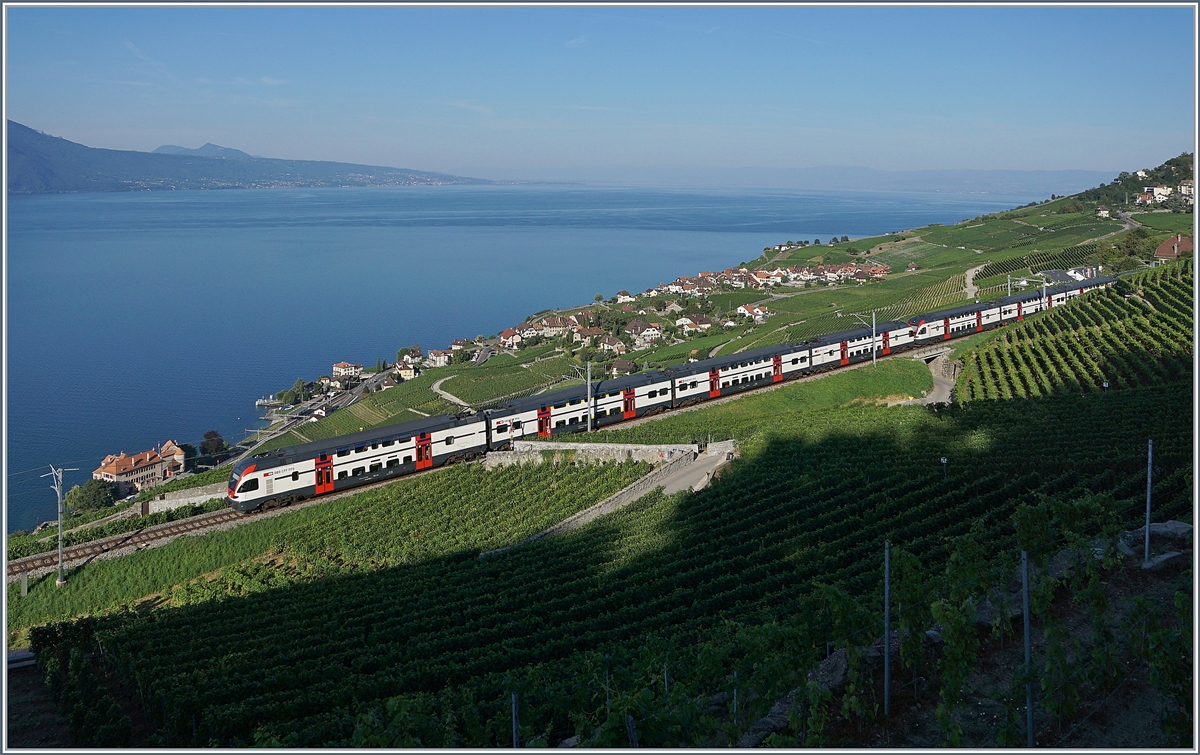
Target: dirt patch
887,246
33,718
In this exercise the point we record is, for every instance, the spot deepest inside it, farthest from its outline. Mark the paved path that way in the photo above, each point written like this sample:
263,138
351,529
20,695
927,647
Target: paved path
970,288
941,389
694,476
437,388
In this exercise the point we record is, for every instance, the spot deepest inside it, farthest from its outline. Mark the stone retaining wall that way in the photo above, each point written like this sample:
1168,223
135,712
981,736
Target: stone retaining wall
536,452
177,498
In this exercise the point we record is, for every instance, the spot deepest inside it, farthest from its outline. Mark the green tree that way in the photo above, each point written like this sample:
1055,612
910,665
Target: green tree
93,494
213,443
598,297
299,389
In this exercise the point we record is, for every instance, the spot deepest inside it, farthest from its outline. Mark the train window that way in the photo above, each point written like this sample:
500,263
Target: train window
376,466
324,457
404,440
692,384
295,477
725,384
375,444
393,462
248,485
574,420
501,428
651,394
449,440
343,452
360,449
408,460
387,443
560,406
517,425
342,475
358,470
560,423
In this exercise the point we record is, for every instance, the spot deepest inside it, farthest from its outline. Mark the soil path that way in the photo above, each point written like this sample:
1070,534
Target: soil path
437,388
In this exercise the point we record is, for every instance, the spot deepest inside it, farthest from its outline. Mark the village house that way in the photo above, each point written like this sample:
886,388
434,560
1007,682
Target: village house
387,382
1173,248
584,334
627,308
643,333
131,473
345,369
1084,272
613,344
650,292
623,297
1141,174
555,326
414,356
911,266
461,343
1187,188
1102,211
622,367
528,330
1160,193
758,314
439,357
509,338
407,371
1144,199
331,384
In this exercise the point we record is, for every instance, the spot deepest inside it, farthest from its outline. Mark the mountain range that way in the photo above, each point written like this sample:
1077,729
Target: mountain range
41,164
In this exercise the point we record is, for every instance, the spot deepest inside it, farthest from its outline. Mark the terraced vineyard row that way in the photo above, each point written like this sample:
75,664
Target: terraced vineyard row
812,500
1039,261
1099,338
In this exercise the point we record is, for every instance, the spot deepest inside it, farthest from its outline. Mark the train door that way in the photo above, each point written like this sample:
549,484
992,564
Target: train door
714,383
1020,315
887,344
845,354
777,369
1049,301
545,428
629,404
946,329
424,451
324,482
978,321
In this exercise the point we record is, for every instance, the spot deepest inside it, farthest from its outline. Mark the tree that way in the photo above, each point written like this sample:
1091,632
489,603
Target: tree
401,353
598,297
94,494
213,443
816,242
845,239
189,451
299,389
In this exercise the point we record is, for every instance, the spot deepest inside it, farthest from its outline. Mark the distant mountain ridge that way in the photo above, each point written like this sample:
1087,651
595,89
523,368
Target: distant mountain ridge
42,164
208,150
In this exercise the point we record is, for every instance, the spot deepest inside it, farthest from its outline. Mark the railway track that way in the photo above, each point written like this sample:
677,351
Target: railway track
137,538
146,538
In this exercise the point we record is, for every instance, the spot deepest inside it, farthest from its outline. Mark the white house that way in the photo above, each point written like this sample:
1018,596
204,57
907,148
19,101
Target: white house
509,338
439,357
758,314
623,297
345,369
1102,211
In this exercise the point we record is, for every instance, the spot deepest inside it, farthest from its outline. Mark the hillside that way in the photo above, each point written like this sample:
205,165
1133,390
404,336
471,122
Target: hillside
371,620
39,163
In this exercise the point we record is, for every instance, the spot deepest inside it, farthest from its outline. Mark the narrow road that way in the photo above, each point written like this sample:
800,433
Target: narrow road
437,388
970,288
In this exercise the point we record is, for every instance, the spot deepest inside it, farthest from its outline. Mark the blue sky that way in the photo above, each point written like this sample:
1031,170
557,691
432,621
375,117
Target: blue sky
581,93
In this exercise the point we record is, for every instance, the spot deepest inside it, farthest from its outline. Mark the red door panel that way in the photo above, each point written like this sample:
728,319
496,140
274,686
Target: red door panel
1020,315
978,321
845,353
946,329
887,344
629,405
424,452
714,383
545,429
777,369
324,472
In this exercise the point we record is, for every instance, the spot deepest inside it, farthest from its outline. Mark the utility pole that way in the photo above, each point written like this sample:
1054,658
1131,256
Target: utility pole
1149,473
1010,285
589,395
57,486
860,318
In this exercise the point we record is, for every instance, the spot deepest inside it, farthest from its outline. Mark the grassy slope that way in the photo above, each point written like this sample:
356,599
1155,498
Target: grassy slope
1168,221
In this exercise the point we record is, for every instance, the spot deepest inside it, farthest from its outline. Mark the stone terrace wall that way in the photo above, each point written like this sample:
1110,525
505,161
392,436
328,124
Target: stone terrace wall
536,452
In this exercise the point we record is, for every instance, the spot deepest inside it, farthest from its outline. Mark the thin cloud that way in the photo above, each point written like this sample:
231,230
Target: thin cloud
578,42
272,82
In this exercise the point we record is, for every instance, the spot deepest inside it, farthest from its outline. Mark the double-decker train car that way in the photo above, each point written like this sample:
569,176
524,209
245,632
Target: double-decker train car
285,475
293,473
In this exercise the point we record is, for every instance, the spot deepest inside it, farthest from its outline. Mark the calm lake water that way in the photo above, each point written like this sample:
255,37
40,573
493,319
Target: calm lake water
134,318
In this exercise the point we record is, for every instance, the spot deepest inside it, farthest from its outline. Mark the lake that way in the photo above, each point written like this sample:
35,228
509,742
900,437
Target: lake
134,318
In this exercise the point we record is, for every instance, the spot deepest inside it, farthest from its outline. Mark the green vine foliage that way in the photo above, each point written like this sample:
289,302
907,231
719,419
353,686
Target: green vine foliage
1171,667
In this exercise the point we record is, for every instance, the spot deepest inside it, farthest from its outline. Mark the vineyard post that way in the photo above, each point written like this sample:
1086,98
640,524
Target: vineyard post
516,723
1149,482
887,627
24,583
1028,655
631,730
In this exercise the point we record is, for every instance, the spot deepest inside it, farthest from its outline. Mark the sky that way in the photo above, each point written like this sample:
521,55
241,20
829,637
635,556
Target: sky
617,93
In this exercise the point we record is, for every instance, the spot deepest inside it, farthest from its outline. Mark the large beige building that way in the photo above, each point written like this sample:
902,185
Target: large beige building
131,473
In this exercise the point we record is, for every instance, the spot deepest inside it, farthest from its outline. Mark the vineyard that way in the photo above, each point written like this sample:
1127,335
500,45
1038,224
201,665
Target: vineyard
1038,261
1102,337
721,586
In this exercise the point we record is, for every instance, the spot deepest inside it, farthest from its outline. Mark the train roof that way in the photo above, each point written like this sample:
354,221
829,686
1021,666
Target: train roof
1025,296
855,333
565,395
716,363
288,454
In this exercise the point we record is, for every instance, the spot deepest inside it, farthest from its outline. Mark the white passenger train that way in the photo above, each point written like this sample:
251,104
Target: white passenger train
286,475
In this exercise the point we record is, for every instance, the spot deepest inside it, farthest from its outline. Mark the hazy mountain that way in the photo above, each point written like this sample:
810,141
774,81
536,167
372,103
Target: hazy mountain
39,163
208,150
